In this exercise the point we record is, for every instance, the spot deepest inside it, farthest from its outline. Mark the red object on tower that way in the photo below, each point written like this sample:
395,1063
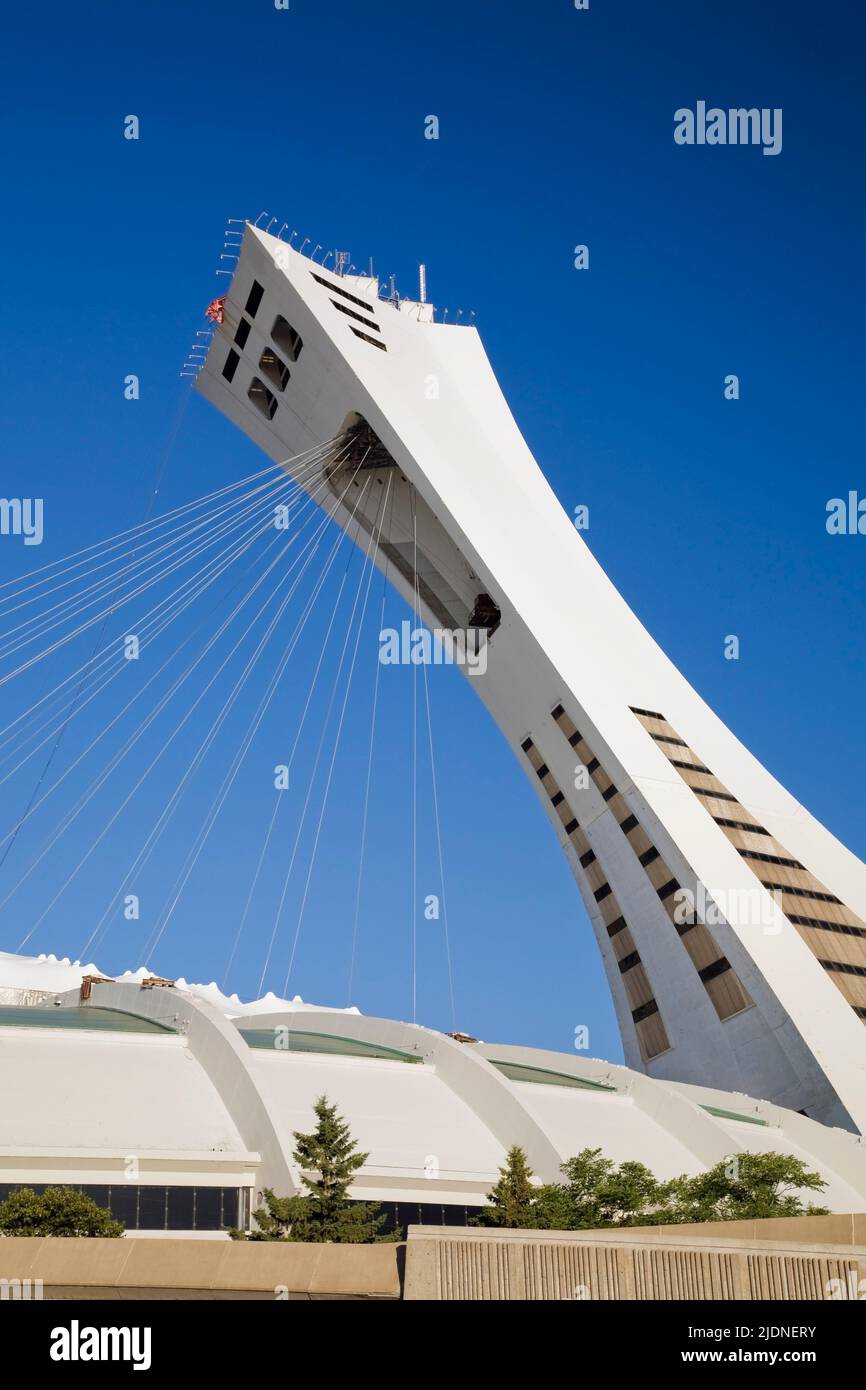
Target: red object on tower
214,310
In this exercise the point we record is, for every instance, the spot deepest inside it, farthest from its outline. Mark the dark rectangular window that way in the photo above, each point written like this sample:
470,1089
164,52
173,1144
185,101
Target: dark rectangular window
587,859
648,855
231,365
628,824
557,712
647,713
593,766
286,338
718,967
557,799
264,400
208,1208
667,888
242,334
575,738
603,892
344,309
181,1216
151,1208
616,926
543,770
273,367
254,299
338,289
844,928
690,767
803,893
842,967
571,827
609,793
367,339
628,962
645,1011
526,745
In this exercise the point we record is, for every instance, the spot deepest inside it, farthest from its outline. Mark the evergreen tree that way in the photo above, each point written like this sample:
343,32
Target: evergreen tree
513,1200
58,1211
329,1159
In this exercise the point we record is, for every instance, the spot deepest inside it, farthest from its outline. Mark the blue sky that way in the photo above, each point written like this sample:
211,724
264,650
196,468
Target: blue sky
556,128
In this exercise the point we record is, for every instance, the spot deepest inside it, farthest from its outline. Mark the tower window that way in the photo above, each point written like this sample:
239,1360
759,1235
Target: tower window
264,400
274,368
230,365
254,299
286,339
242,334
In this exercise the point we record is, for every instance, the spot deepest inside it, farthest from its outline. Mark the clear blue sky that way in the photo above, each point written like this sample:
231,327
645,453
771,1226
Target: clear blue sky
556,129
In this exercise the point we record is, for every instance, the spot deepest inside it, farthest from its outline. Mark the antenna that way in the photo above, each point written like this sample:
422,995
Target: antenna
422,283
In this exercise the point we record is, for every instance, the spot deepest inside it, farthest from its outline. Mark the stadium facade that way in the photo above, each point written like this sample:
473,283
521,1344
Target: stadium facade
175,1106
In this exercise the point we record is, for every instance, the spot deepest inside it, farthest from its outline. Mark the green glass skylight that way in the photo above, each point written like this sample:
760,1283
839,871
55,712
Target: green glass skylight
86,1019
732,1115
518,1071
293,1040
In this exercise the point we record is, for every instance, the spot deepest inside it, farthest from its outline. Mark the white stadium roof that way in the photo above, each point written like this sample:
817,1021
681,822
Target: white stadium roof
179,1085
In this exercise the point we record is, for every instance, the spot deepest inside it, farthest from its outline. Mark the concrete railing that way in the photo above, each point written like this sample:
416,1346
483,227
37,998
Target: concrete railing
456,1263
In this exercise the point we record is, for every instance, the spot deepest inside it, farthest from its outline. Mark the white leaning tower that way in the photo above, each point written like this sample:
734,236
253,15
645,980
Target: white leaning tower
730,922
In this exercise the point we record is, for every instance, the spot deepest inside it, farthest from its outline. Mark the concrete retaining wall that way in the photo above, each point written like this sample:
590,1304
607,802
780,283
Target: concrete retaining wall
454,1263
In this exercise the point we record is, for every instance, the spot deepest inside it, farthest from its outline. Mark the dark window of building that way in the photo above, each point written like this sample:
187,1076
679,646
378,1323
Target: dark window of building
602,892
344,309
556,799
151,1208
274,369
647,713
181,1209
254,299
616,926
123,1205
628,824
645,1010
543,770
593,766
208,1208
609,792
286,339
264,400
367,339
648,855
843,968
231,364
242,334
571,827
718,967
587,859
628,962
344,294
667,888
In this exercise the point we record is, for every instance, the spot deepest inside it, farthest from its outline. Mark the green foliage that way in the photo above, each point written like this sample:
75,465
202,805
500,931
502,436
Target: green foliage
328,1159
513,1202
749,1186
596,1193
58,1211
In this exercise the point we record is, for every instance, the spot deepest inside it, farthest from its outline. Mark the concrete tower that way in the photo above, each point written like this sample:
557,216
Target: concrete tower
730,922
